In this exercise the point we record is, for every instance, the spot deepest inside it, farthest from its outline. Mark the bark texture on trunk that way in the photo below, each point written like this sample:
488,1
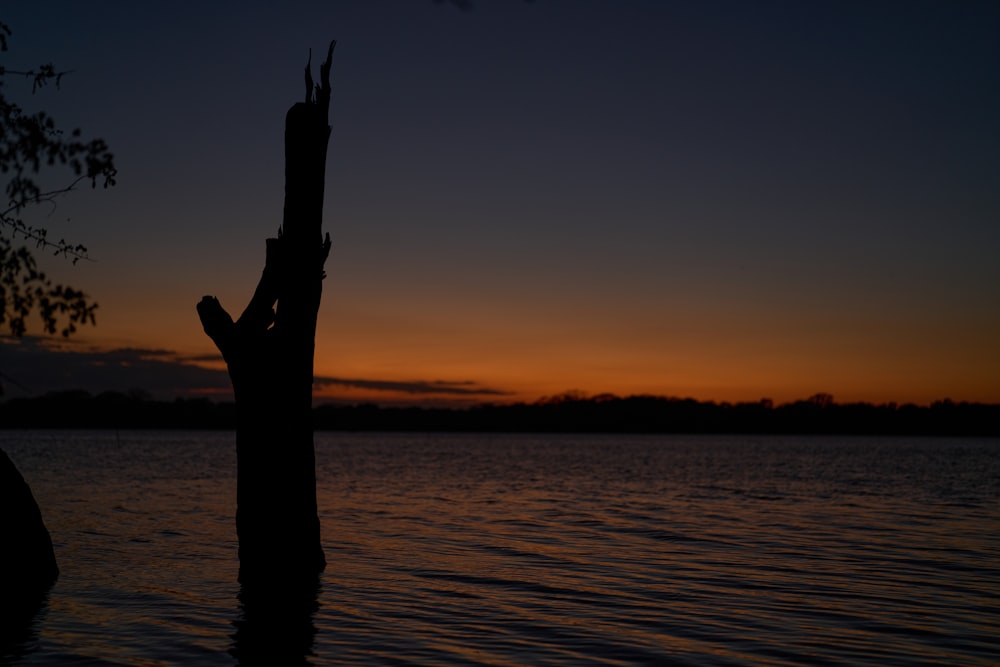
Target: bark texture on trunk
269,354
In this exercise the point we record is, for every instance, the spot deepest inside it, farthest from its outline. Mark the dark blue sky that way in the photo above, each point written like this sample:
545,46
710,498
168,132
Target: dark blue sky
720,199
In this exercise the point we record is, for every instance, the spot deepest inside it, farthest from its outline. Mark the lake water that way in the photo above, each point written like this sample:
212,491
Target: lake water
531,550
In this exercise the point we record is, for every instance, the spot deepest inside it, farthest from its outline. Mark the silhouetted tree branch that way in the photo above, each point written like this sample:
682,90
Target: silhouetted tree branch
29,144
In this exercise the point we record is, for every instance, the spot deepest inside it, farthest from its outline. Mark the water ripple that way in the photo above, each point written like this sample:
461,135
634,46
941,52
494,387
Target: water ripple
554,550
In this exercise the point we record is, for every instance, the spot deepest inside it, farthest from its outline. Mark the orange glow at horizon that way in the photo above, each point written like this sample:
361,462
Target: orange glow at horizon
520,350
705,355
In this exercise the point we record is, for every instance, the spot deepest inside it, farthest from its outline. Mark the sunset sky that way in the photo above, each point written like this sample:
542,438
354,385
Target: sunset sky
726,200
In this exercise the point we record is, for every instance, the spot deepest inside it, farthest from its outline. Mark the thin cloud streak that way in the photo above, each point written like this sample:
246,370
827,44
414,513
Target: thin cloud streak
462,388
36,365
41,365
203,359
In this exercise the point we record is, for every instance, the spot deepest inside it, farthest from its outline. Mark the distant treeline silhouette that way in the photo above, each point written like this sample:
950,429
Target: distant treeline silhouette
606,413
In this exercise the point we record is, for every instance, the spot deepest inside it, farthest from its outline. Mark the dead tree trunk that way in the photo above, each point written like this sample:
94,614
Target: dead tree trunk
269,354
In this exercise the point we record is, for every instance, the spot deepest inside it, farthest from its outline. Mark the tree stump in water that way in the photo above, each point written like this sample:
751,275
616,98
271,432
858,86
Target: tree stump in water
269,354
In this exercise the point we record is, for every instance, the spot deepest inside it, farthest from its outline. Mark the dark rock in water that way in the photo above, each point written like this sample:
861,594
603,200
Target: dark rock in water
27,561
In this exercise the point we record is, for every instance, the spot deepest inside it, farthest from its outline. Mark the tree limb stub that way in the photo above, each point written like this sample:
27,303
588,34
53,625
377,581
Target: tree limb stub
217,323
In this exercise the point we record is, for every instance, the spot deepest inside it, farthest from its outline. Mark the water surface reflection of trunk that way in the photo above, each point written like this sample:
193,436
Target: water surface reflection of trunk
276,625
